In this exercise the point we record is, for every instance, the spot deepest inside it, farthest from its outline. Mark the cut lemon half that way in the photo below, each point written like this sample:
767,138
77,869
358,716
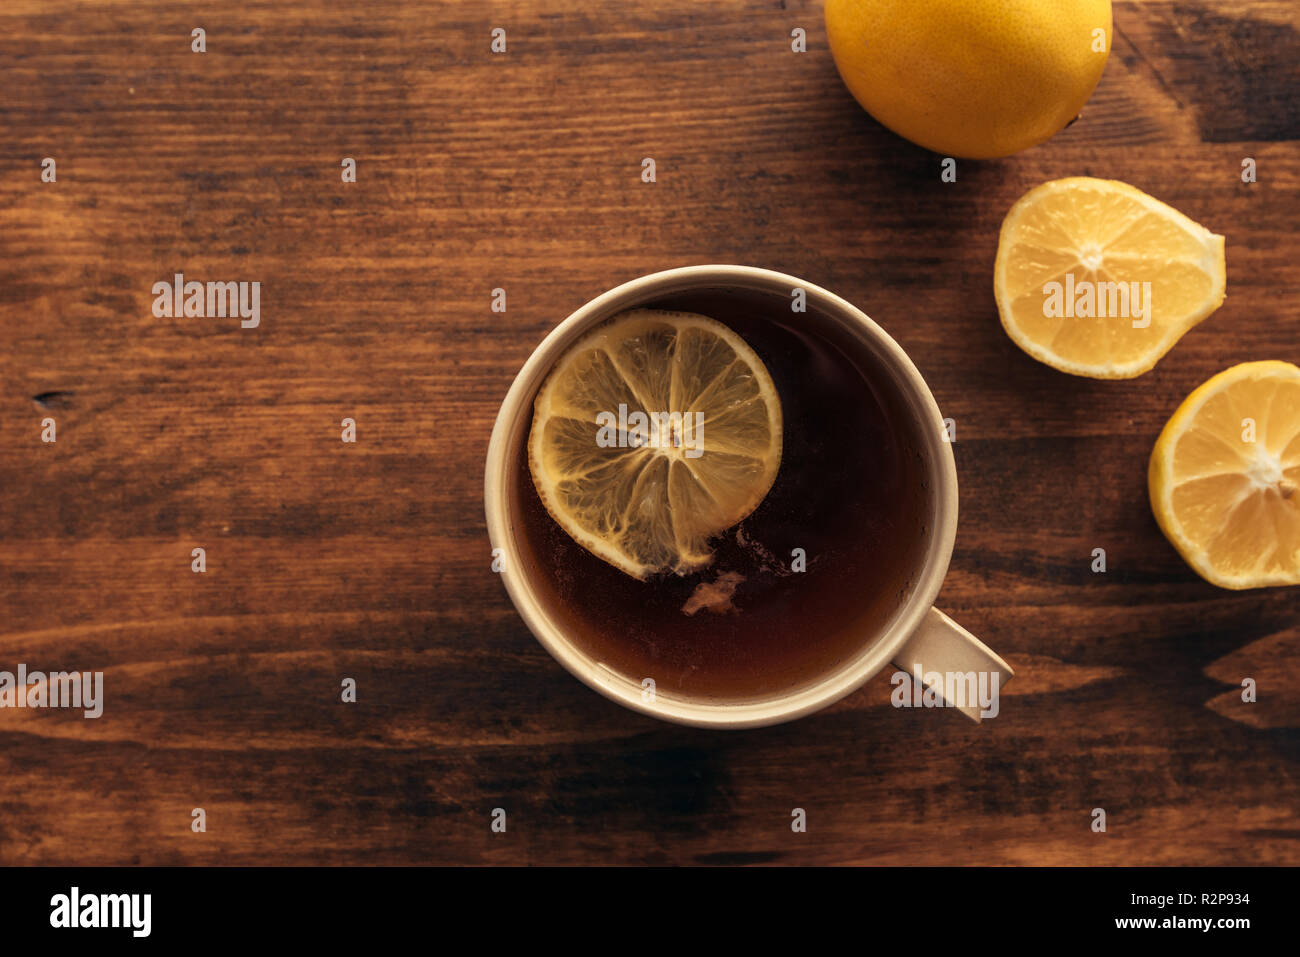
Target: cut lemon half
1098,279
653,434
1225,477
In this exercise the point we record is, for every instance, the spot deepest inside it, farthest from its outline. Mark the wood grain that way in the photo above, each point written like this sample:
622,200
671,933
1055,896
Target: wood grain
521,171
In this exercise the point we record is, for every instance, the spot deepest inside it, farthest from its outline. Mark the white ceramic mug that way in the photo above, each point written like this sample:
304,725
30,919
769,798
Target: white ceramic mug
917,637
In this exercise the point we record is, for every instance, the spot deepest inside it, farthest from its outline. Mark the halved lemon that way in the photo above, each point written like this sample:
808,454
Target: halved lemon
653,434
1098,279
1225,477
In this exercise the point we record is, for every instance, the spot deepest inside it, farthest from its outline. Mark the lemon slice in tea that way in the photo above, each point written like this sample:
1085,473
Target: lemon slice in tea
653,434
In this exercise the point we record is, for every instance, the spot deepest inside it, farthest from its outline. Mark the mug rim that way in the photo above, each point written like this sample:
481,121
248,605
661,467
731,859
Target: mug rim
872,657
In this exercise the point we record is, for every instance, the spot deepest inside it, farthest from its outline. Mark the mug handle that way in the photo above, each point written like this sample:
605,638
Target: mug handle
941,645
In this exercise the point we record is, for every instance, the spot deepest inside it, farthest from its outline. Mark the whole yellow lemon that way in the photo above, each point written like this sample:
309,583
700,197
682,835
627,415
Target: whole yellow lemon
971,78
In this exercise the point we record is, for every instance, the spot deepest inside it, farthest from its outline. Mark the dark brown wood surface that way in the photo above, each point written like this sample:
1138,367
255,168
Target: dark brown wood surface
522,171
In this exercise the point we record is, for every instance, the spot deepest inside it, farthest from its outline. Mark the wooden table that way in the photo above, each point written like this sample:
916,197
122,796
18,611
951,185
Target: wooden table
522,171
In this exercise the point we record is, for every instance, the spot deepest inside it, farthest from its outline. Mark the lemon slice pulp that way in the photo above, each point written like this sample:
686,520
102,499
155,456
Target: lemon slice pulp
1096,278
653,434
1224,477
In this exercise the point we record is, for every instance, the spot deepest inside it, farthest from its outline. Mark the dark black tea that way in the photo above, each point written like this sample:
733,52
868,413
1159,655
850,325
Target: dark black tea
794,588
